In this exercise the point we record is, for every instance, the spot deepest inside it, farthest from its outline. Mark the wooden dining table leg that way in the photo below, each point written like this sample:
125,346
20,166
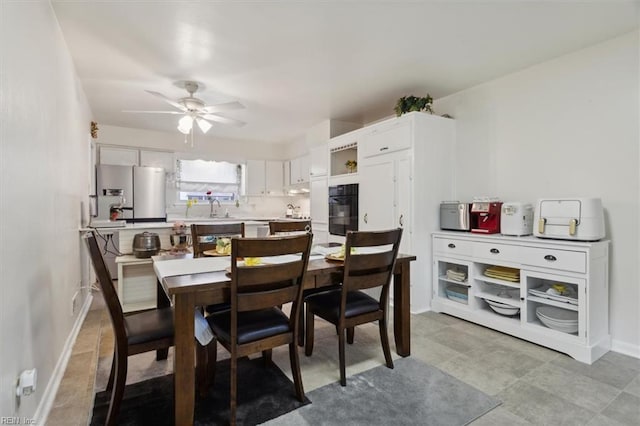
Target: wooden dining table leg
183,362
401,309
162,301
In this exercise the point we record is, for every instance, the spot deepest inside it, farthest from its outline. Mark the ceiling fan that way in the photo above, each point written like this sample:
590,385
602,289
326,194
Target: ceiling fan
195,110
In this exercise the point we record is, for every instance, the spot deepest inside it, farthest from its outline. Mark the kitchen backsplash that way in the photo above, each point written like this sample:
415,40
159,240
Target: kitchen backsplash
249,207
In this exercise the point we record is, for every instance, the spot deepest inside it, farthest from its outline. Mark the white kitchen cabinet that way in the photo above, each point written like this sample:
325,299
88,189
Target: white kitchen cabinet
274,178
264,177
403,186
319,161
163,159
579,268
119,156
299,169
319,200
287,173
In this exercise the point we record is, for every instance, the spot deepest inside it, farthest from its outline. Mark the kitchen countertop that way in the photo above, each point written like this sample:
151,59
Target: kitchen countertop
250,221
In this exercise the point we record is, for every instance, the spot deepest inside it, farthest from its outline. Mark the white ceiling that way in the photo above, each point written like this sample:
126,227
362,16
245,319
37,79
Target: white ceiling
294,64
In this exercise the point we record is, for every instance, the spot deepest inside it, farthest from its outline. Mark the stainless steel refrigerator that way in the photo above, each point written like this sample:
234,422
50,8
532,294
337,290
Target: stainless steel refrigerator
143,190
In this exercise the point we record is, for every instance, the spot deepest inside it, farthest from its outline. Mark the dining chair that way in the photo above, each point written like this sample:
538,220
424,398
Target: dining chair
204,237
370,267
135,333
255,323
291,227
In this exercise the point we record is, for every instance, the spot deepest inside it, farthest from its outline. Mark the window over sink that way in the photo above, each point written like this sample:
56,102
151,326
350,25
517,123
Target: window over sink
201,179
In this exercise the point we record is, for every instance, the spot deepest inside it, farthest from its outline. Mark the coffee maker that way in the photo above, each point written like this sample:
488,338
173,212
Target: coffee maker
485,216
110,204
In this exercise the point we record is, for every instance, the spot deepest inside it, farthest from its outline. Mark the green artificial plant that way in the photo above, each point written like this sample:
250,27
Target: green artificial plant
412,103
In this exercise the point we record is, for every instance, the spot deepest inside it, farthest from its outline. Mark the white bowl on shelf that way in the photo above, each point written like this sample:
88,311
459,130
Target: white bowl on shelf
558,319
502,308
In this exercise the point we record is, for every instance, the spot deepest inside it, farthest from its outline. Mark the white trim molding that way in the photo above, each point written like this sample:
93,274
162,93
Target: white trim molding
625,348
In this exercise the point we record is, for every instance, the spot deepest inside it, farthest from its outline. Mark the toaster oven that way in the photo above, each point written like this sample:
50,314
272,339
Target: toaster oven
454,216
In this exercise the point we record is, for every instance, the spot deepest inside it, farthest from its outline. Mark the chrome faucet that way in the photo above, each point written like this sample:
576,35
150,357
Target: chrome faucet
213,213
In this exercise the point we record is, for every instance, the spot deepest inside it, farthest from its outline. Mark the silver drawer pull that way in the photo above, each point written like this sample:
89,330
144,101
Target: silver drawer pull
494,251
451,245
384,148
550,258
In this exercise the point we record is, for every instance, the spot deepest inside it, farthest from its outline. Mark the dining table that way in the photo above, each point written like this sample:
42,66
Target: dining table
189,282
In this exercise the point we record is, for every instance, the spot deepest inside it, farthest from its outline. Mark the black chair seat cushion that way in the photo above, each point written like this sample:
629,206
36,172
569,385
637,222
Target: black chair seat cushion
212,309
150,325
253,325
327,304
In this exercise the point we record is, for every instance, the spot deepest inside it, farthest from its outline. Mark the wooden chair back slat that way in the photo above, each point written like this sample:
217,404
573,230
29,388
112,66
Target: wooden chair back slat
266,299
276,227
371,280
226,230
367,262
256,275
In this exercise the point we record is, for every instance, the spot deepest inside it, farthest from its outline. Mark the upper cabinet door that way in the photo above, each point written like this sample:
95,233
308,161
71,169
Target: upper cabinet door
387,137
300,169
319,161
162,159
256,170
274,178
265,177
118,156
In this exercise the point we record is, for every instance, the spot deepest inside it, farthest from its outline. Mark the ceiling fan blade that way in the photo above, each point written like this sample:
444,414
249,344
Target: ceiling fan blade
224,120
156,112
203,124
228,106
167,100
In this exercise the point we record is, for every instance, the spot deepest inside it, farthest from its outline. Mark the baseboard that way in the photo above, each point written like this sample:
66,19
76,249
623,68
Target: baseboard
49,395
625,348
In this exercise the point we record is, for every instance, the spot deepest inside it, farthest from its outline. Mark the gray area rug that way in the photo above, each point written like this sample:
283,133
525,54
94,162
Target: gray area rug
412,393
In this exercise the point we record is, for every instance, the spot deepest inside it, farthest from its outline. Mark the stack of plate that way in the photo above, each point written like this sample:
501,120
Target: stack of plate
503,273
558,319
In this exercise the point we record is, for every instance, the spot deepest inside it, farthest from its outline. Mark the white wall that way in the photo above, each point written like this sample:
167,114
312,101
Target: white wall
44,177
567,127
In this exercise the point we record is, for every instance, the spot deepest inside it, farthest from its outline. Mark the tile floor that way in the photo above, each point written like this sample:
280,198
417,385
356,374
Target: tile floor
537,385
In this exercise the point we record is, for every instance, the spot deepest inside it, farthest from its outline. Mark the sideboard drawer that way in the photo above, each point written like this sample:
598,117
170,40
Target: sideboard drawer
566,260
497,252
452,247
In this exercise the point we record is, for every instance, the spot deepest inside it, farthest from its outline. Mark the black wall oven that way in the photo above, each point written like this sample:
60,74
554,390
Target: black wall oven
343,209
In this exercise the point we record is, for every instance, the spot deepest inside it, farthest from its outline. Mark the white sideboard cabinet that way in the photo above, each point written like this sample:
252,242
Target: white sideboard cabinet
462,288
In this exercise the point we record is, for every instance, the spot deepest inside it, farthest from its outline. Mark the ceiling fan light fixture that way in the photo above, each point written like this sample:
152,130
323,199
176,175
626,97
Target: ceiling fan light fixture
204,125
185,124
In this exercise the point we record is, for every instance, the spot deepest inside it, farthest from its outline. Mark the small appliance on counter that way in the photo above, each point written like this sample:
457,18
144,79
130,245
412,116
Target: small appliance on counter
146,244
455,216
516,219
580,219
485,215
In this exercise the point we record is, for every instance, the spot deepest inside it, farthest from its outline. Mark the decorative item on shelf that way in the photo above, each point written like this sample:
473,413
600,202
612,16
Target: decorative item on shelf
352,166
412,103
94,130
